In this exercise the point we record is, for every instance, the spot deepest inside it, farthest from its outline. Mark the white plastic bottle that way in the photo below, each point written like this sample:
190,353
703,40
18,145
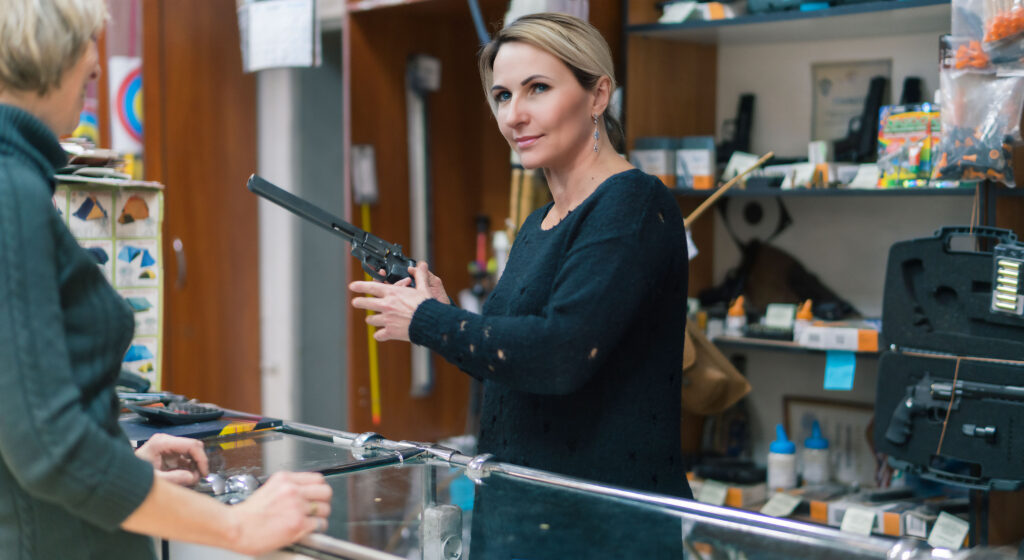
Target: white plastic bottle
804,317
736,319
781,462
815,458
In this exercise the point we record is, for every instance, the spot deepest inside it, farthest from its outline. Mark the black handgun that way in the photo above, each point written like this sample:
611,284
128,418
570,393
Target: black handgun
929,396
374,253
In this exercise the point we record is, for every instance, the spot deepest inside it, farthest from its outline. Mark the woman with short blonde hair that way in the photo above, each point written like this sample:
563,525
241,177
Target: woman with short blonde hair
72,486
39,45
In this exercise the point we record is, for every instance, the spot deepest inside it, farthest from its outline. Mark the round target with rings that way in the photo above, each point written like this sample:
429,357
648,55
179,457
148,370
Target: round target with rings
129,104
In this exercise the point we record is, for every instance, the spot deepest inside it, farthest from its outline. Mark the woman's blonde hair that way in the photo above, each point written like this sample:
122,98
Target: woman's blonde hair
573,41
41,39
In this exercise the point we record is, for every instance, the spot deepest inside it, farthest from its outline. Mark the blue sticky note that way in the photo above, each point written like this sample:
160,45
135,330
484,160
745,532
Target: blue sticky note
839,368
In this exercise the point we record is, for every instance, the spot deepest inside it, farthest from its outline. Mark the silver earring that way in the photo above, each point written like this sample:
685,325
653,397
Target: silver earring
597,135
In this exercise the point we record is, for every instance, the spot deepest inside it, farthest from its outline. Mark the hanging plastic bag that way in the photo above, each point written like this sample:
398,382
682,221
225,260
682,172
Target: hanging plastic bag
980,122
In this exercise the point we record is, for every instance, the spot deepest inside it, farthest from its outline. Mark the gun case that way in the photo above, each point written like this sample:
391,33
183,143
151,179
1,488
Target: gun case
954,311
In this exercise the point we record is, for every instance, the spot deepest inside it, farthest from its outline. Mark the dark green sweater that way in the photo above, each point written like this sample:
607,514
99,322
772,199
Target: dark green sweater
581,343
68,476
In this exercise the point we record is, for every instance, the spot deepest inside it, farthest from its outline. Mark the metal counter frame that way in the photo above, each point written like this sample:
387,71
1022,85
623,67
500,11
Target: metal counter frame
699,521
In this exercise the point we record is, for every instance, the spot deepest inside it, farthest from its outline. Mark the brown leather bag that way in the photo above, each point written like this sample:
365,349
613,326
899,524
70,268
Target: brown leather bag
711,383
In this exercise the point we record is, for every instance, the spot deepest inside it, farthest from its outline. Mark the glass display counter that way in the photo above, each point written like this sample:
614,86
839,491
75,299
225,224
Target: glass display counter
395,499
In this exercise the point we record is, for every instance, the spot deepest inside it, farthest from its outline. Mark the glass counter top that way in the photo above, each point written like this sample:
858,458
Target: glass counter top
411,500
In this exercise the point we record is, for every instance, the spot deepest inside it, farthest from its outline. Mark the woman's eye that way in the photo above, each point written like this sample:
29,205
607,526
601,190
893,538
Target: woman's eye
502,96
540,88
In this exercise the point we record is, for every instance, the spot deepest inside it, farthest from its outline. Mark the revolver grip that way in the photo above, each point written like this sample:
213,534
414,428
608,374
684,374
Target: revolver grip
397,268
899,425
394,269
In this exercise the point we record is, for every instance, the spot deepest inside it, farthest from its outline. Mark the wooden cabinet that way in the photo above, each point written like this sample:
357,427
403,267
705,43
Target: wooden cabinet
200,141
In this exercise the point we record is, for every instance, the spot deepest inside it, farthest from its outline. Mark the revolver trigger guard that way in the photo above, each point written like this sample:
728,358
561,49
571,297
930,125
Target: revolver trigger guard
373,273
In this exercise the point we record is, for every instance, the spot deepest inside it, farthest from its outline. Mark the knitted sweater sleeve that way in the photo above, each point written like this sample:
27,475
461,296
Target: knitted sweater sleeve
597,294
50,443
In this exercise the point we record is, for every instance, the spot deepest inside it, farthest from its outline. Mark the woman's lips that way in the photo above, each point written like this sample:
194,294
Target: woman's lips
525,141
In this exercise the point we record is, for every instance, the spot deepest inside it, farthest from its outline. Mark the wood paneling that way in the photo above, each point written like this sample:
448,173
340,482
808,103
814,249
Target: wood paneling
460,149
1010,213
670,91
670,88
200,139
103,94
643,11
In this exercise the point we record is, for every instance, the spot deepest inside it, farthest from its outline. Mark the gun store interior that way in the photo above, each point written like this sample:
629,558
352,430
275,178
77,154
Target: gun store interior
544,278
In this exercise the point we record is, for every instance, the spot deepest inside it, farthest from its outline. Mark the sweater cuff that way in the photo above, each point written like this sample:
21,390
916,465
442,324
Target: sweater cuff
428,322
127,484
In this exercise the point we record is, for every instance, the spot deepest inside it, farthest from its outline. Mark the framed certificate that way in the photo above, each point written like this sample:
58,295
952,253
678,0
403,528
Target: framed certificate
840,89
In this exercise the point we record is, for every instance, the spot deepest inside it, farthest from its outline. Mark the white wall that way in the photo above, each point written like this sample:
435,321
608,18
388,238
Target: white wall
302,267
780,75
277,237
845,240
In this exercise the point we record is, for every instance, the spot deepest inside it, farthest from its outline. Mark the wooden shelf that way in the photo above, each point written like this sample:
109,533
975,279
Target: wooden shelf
799,193
869,19
367,5
769,344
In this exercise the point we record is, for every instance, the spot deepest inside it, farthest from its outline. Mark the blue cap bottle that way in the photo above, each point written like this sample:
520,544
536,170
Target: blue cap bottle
816,441
781,443
815,458
781,461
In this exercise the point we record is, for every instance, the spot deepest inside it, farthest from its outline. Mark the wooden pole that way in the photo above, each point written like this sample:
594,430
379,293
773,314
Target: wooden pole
721,190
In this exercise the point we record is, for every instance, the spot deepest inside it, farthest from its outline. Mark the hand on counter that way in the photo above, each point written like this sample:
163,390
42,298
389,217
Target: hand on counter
288,507
176,459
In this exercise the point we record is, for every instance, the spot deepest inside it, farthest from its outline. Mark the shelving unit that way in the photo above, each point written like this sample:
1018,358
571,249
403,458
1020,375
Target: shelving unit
829,193
769,344
869,19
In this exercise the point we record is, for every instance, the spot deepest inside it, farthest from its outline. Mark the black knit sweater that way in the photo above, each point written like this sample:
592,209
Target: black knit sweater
580,345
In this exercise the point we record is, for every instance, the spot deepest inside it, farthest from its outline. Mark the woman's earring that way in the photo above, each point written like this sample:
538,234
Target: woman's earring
597,135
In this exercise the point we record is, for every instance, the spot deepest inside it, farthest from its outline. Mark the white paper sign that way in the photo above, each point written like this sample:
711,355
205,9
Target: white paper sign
780,505
713,492
866,177
858,521
780,315
738,163
949,532
691,247
278,33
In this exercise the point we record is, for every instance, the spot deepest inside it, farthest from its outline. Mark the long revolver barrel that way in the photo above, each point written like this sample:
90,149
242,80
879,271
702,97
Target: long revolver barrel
373,253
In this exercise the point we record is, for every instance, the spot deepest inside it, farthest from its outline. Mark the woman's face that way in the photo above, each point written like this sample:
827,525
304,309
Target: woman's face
61,108
542,110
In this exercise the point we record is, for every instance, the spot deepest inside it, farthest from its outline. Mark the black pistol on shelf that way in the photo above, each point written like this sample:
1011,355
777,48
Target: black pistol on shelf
739,139
861,141
374,253
936,397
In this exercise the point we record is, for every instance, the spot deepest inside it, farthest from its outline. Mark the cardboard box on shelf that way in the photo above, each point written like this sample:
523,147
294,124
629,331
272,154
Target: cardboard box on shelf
852,336
737,495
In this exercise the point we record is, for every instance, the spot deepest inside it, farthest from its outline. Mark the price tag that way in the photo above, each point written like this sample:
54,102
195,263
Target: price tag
677,12
780,315
712,492
691,247
840,366
858,521
949,532
866,177
780,505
